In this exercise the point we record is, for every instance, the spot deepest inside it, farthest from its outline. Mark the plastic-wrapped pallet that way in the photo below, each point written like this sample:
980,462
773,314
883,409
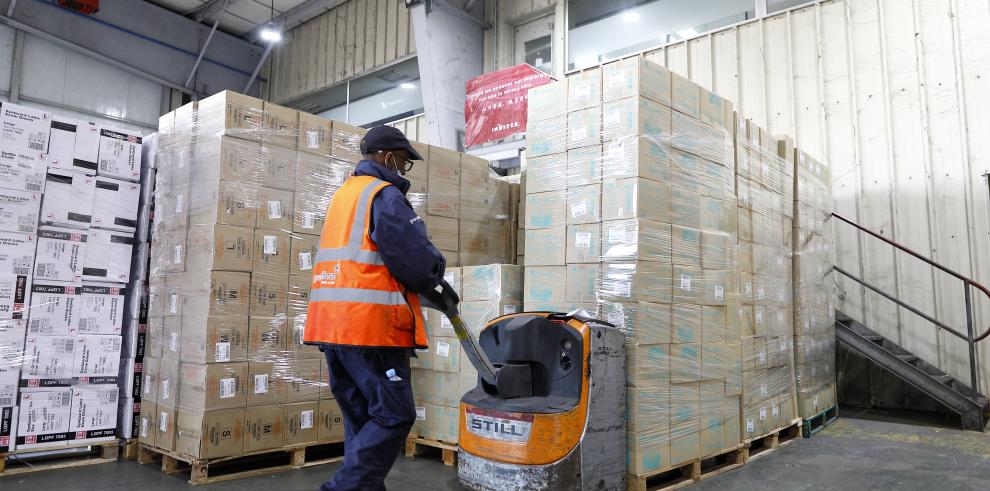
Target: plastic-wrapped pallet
814,304
629,211
764,180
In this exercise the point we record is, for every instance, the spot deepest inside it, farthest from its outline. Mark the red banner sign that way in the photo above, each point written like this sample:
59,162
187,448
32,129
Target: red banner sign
496,103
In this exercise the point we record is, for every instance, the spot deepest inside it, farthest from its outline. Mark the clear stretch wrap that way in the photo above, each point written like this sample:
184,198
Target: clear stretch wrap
443,373
764,182
630,212
814,304
243,196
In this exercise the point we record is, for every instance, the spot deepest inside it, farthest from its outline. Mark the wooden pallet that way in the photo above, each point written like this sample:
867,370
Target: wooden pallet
259,463
129,449
681,475
416,447
765,444
26,461
819,421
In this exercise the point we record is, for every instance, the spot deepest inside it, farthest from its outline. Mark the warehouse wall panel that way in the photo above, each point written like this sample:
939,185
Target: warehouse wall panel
892,93
350,40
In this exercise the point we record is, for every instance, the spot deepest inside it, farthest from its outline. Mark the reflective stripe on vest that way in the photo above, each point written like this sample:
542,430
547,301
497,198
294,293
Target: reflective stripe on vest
359,295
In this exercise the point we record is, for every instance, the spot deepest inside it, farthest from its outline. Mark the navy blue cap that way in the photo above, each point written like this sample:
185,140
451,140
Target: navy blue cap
387,138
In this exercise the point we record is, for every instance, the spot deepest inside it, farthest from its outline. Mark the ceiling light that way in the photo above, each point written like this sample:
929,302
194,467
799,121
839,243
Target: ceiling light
687,33
407,85
271,35
630,16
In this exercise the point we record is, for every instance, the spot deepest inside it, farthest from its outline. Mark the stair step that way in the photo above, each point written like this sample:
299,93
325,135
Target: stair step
907,358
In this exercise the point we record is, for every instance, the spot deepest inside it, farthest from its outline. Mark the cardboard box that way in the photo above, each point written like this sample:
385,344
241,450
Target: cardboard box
17,253
96,359
281,125
582,283
546,247
297,295
314,134
545,284
331,422
641,281
303,380
443,232
150,382
271,252
24,128
275,209
545,210
636,76
60,255
229,113
21,170
268,293
584,128
168,383
637,198
584,89
101,309
68,200
171,335
120,154
636,239
62,146
346,142
211,434
641,322
648,365
115,204
224,293
584,243
299,422
687,323
218,339
583,167
685,246
438,423
446,354
165,427
547,101
19,211
108,256
87,147
634,117
444,182
14,293
294,344
584,204
490,282
94,413
442,388
685,95
267,381
226,202
636,157
477,314
44,419
213,385
546,137
694,136
219,247
263,428
316,179
51,360
277,167
302,253
688,284
147,427
267,336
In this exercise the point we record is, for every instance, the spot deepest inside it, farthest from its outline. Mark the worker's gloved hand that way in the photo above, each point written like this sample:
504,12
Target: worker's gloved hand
442,298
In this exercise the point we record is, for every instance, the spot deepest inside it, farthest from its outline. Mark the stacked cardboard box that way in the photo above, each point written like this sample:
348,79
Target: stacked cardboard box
70,199
443,373
764,181
242,192
645,226
814,305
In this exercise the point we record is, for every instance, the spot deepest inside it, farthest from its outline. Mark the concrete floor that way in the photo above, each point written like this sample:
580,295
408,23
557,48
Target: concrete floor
867,452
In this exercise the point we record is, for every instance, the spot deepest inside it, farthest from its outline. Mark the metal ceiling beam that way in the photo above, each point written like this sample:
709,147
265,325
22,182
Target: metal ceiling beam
211,9
296,16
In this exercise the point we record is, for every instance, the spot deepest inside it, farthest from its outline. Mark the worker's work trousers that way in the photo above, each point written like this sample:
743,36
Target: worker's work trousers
378,412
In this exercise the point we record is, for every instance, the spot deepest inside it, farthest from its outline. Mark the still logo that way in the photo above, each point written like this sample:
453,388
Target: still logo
499,427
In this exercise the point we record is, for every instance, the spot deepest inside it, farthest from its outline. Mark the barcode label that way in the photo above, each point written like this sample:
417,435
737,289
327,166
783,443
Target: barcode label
774,410
173,303
7,400
163,422
719,292
443,348
223,352
582,240
763,414
623,288
508,309
274,209
306,419
21,270
685,282
305,260
147,384
579,209
308,219
68,345
165,389
177,258
750,426
312,139
270,244
445,323
173,341
30,186
420,413
616,234
36,145
260,383
178,203
144,427
25,228
227,387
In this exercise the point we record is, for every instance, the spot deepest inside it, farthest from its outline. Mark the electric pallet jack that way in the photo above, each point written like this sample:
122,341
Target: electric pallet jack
549,408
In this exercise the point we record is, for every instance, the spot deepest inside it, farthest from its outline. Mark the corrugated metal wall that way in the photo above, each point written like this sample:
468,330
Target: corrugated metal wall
351,39
414,127
894,95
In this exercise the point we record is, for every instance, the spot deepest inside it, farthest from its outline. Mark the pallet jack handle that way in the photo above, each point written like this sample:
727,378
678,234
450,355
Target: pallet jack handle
445,300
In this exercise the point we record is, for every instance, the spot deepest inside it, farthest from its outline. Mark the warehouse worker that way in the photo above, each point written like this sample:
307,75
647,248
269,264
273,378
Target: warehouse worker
364,311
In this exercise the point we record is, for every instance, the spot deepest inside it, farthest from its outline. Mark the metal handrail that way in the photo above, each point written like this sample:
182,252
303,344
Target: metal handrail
968,282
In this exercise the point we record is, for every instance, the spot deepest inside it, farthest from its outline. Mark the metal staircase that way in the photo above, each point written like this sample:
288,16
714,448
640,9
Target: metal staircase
959,397
938,385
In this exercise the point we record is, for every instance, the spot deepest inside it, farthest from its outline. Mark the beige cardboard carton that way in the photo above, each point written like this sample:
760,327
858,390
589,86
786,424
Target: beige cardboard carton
584,128
444,182
633,117
636,239
687,323
281,126
545,284
636,76
547,101
636,157
297,296
636,198
546,247
546,137
546,210
314,134
648,365
274,209
263,428
641,322
303,381
331,422
271,252
299,421
147,429
212,386
230,113
584,243
219,339
641,281
582,283
489,282
584,204
546,172
266,381
345,142
584,89
220,247
583,167
210,434
443,232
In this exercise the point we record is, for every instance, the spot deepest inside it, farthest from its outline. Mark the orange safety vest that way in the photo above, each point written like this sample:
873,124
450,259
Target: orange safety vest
354,299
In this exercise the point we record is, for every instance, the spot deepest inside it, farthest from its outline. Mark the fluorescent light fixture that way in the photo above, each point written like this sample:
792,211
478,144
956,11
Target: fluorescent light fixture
687,33
629,16
271,35
407,85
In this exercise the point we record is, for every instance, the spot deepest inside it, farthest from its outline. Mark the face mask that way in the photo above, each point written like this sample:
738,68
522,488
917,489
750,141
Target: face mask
407,165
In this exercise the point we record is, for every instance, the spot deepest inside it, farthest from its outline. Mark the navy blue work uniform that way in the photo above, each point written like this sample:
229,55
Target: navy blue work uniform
372,385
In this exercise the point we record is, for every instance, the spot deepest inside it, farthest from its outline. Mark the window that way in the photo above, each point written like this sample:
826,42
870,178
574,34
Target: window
599,31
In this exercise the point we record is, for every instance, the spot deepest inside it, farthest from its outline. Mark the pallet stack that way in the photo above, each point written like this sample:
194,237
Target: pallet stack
764,182
70,204
814,305
644,231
